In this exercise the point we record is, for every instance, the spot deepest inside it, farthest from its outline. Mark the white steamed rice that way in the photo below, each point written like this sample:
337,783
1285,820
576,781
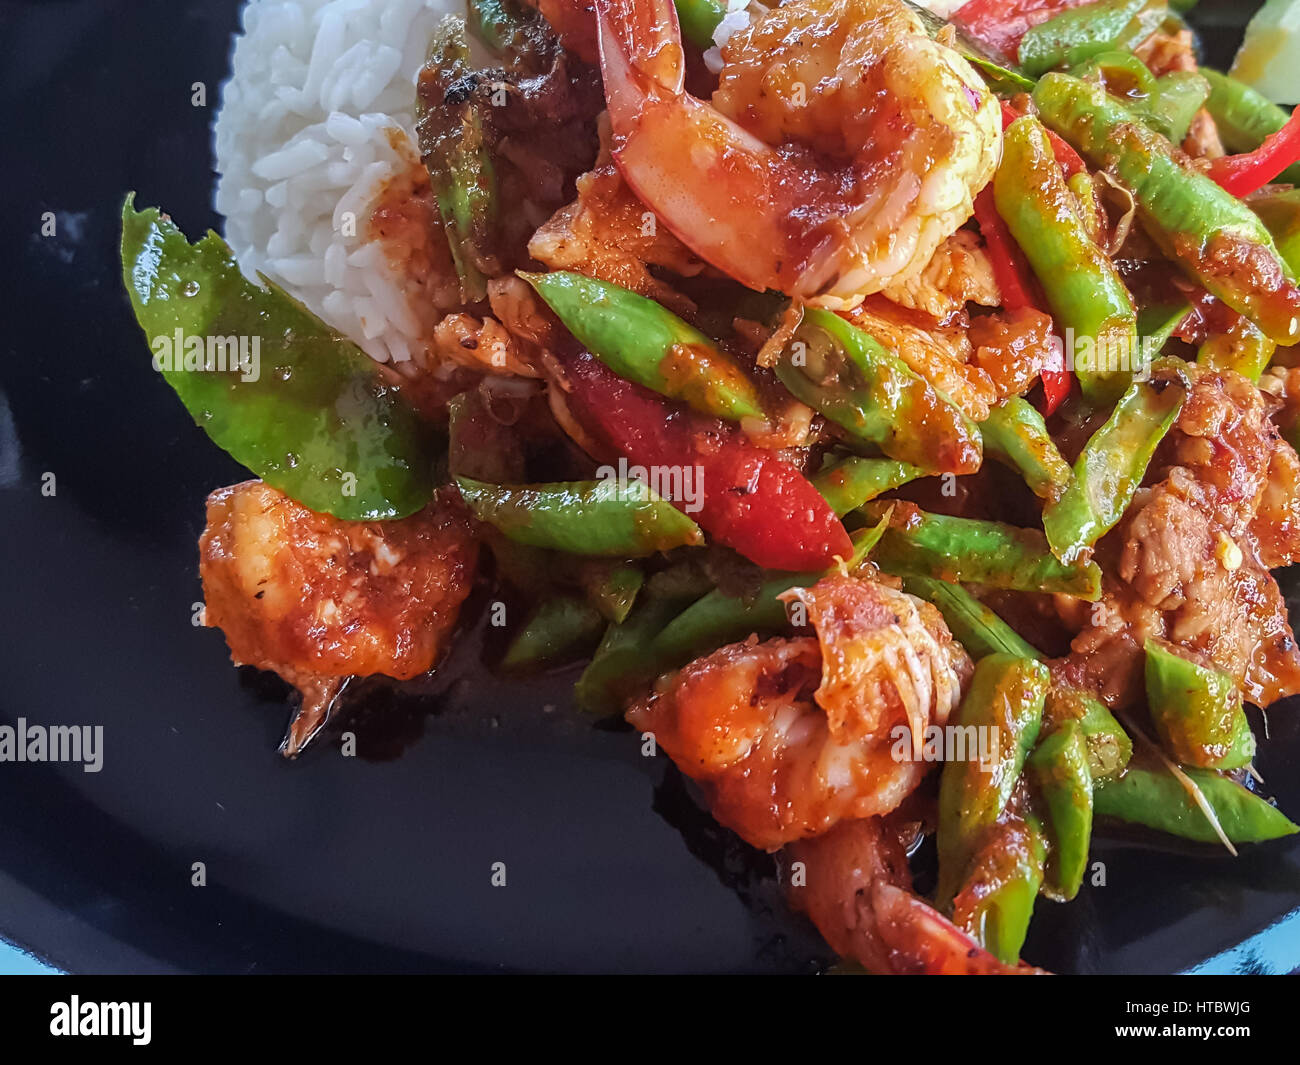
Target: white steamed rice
302,139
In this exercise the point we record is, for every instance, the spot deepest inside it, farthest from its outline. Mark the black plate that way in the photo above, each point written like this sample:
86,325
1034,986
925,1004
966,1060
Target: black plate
378,862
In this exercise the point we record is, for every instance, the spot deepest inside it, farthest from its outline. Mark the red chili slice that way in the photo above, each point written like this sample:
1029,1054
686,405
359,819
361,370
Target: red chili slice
751,500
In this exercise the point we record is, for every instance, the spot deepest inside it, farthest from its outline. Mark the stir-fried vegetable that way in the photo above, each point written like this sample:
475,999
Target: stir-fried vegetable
1083,287
1243,117
997,901
560,628
853,481
1074,35
979,552
1015,433
643,342
604,517
1111,466
1059,766
458,160
1004,698
299,405
1208,232
1196,710
849,376
1158,799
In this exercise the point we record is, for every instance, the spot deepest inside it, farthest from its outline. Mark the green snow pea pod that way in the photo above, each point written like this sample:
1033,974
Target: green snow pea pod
1208,232
1081,32
582,517
1111,466
1244,117
1005,696
1109,746
853,481
1157,799
643,342
1087,296
1059,766
268,381
1015,433
996,902
847,375
967,550
560,628
1196,710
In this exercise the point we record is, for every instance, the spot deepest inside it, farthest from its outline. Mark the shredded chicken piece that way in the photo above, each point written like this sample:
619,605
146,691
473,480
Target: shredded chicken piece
1189,560
787,739
607,233
483,344
1012,347
1164,53
958,273
1202,140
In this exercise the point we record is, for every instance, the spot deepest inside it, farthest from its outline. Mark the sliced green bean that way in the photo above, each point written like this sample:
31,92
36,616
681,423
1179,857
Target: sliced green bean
1244,117
853,481
1111,467
966,550
1059,766
973,625
1208,232
559,629
1081,32
1197,711
1088,298
643,342
996,903
848,376
1109,746
582,517
1157,799
1015,433
718,619
1005,696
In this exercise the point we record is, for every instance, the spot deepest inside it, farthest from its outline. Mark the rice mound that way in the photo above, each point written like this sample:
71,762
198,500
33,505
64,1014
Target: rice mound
317,116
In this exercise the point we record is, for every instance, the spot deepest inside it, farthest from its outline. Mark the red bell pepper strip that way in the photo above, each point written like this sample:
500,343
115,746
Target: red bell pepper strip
1019,287
750,500
1070,161
1251,171
999,24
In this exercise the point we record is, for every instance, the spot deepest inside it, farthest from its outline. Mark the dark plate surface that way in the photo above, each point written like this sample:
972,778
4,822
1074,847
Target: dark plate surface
380,862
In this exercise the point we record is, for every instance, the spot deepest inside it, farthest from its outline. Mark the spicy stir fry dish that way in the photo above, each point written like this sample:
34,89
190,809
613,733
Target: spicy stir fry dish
887,412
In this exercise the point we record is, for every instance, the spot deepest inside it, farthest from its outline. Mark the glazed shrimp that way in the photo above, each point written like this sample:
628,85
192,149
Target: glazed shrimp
855,886
843,145
789,737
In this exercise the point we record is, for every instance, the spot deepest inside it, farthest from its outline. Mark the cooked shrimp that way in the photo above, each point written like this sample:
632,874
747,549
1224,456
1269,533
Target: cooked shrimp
855,886
787,739
316,599
842,147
